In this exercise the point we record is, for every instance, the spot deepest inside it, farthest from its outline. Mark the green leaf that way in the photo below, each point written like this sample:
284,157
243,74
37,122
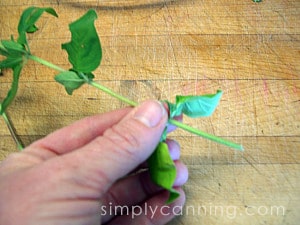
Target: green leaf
84,49
11,47
73,80
195,106
162,170
70,80
13,90
10,62
14,53
28,19
3,50
32,29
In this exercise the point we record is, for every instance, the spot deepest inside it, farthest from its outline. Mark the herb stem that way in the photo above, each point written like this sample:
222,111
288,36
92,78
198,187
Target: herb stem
12,131
112,93
46,63
206,135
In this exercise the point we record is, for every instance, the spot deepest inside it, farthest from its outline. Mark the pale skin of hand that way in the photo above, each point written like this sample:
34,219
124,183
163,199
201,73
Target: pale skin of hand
66,177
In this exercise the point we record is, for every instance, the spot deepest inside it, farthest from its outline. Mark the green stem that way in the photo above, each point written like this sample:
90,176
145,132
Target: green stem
133,103
112,93
206,135
46,63
12,131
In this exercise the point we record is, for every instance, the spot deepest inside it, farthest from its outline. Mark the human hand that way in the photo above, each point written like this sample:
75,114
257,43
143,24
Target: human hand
79,174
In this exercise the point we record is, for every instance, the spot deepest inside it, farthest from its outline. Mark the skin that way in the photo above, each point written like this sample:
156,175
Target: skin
72,174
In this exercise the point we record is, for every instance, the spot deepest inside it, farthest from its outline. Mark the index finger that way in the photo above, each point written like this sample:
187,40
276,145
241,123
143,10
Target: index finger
76,135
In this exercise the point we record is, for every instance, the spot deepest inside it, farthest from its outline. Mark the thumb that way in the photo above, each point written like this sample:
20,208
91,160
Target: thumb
121,148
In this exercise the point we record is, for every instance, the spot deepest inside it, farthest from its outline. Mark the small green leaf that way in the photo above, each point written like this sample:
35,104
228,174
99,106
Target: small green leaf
84,49
3,50
195,106
10,62
14,53
32,29
11,48
162,170
70,80
13,90
28,19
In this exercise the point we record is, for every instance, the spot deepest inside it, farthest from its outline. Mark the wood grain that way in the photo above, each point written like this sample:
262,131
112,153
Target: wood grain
159,49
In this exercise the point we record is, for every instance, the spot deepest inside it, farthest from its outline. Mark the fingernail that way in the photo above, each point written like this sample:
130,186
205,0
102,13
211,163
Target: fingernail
150,113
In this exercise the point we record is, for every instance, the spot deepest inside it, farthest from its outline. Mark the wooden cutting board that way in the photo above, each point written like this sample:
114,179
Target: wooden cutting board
158,49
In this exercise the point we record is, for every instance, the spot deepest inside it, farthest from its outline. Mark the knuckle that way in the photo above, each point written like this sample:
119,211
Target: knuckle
124,138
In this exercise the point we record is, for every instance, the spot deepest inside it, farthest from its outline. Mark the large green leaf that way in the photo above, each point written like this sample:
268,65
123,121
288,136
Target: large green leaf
28,19
195,106
84,49
162,170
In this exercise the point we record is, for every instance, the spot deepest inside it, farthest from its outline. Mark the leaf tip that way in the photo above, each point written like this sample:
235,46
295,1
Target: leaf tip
51,11
93,13
173,195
